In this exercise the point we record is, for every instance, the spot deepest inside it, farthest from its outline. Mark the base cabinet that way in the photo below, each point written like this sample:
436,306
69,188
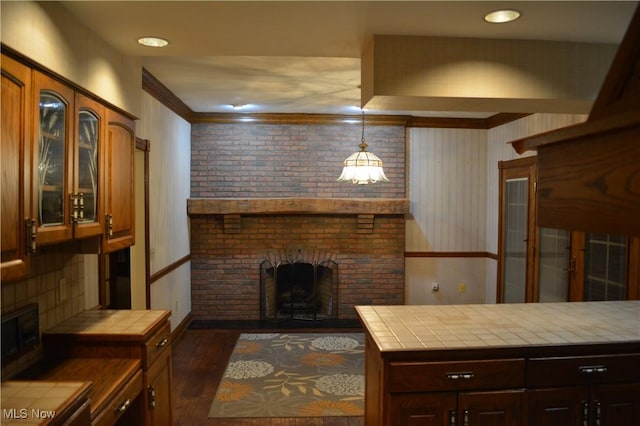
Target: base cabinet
158,396
474,388
143,335
602,405
497,408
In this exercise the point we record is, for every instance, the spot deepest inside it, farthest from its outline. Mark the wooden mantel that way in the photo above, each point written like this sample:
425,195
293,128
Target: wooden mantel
296,205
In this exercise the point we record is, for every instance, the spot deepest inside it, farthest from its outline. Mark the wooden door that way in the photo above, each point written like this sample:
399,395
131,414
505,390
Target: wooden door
422,409
564,406
616,405
516,240
499,408
119,183
159,398
90,134
15,154
53,159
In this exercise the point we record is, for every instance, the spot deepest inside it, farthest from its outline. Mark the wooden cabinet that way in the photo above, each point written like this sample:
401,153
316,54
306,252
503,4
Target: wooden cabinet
53,158
16,209
529,364
466,408
90,119
480,391
119,183
67,162
139,334
597,390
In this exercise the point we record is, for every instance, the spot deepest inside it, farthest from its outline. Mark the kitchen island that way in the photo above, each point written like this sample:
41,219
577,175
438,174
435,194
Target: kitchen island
503,364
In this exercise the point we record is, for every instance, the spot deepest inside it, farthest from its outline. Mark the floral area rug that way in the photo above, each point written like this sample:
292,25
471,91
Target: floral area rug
293,375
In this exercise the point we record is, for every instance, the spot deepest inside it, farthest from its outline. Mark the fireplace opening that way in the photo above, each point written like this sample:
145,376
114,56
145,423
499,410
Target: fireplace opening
298,287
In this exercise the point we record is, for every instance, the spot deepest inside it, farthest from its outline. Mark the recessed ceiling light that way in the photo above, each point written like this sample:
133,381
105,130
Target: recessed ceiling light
502,16
153,41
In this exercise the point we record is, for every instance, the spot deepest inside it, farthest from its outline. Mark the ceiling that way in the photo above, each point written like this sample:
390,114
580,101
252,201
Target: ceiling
304,56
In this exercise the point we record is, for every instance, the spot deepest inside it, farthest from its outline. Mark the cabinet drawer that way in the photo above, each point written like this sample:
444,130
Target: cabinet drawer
157,345
583,370
456,375
121,402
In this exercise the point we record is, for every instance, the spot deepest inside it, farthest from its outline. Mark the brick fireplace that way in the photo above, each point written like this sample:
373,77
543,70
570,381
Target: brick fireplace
244,208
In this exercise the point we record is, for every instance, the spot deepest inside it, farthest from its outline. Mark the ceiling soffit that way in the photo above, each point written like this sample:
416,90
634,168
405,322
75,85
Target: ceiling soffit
464,74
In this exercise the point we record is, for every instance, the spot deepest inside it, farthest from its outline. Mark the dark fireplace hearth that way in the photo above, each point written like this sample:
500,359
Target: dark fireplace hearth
299,285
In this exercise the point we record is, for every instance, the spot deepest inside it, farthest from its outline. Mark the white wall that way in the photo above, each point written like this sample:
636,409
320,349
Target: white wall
453,190
447,192
169,177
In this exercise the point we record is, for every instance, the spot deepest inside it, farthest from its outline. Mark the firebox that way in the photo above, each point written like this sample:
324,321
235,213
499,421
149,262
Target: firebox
299,285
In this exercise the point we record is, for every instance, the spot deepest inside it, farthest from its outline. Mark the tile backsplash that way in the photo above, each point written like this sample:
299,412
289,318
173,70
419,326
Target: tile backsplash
57,286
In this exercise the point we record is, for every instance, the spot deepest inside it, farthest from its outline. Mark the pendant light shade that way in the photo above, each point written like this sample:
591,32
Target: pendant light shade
363,167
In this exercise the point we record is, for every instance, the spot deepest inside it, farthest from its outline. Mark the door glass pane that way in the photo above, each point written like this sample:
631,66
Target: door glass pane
515,240
51,159
605,272
88,164
554,258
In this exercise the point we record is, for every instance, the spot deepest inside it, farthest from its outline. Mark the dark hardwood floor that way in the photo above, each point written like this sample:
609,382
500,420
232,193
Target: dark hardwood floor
199,361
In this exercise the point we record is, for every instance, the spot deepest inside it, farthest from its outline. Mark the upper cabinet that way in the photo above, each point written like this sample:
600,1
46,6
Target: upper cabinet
119,183
67,167
70,133
15,209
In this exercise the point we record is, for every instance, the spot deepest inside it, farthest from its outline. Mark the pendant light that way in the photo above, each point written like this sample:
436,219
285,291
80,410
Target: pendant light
362,167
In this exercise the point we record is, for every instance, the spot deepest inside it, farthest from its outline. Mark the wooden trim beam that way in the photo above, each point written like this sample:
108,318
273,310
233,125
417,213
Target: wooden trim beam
246,206
485,254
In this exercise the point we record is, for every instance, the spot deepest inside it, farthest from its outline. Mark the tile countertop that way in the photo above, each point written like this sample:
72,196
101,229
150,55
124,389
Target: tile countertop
433,327
134,324
38,403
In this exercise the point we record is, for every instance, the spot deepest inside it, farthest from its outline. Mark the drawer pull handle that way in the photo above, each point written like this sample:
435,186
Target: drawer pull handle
593,369
460,375
123,406
162,343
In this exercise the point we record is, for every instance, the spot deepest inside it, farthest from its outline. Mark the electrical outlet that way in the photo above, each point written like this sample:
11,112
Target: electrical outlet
435,287
462,288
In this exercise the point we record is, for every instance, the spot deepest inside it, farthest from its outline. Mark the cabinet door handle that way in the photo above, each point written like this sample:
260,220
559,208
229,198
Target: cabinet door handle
598,409
73,204
592,369
452,417
162,343
109,224
123,406
458,375
81,206
585,414
151,392
31,235
465,418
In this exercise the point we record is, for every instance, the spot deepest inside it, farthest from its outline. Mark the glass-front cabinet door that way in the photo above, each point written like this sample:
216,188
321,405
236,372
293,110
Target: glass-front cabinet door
52,159
69,137
85,198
